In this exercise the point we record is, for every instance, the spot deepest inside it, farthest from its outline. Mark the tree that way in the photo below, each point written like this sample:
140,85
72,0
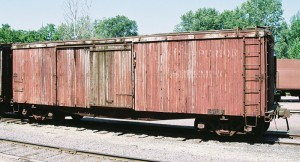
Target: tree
119,26
282,44
9,35
263,13
294,37
295,26
294,49
77,21
84,30
202,19
251,13
48,33
230,19
6,34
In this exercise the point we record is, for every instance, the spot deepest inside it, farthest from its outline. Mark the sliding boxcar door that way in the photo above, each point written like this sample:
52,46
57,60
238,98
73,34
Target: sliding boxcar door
73,77
111,76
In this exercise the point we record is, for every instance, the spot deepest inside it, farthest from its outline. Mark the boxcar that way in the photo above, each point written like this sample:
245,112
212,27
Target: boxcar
224,79
288,76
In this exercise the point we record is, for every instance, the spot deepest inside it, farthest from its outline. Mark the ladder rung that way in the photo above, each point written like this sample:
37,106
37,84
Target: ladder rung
250,65
247,53
251,44
256,104
251,92
250,76
251,56
253,80
256,90
251,68
256,52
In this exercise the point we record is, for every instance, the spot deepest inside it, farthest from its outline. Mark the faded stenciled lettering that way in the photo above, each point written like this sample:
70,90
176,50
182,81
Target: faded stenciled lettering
218,52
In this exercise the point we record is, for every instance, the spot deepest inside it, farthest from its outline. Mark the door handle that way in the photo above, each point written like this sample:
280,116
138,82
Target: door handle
110,101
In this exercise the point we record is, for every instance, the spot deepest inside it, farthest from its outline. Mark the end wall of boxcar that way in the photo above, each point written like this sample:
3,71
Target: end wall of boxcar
5,75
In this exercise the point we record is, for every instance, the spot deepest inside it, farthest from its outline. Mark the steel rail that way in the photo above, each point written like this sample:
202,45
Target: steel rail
71,151
287,143
295,111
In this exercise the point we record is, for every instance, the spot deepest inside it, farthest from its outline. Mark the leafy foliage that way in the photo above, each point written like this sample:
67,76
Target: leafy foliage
294,37
6,34
263,13
202,19
9,35
119,26
281,46
114,27
230,19
250,14
294,50
48,33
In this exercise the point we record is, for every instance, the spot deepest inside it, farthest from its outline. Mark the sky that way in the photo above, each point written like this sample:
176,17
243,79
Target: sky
152,16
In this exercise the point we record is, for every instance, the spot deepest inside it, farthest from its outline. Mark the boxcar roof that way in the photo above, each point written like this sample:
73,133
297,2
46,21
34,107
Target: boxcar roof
288,64
4,45
210,34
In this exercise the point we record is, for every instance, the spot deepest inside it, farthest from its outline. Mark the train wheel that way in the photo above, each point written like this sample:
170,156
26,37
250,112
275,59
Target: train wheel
76,117
2,113
261,128
39,115
58,117
266,126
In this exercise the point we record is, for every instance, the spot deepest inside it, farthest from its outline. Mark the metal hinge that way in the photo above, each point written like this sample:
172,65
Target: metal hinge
134,60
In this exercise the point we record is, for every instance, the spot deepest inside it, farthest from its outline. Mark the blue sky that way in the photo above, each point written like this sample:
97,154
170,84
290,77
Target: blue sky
152,16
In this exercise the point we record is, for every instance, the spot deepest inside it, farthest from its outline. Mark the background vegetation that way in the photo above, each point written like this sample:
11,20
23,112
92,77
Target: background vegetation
252,13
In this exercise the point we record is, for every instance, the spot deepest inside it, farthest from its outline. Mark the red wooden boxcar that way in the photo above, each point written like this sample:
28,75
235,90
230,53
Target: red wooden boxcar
288,76
225,79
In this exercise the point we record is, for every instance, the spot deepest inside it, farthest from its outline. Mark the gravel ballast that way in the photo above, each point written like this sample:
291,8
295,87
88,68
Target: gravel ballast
148,147
157,148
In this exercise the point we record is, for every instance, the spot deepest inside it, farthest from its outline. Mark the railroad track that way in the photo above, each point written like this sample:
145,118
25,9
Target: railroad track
26,151
283,138
105,126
